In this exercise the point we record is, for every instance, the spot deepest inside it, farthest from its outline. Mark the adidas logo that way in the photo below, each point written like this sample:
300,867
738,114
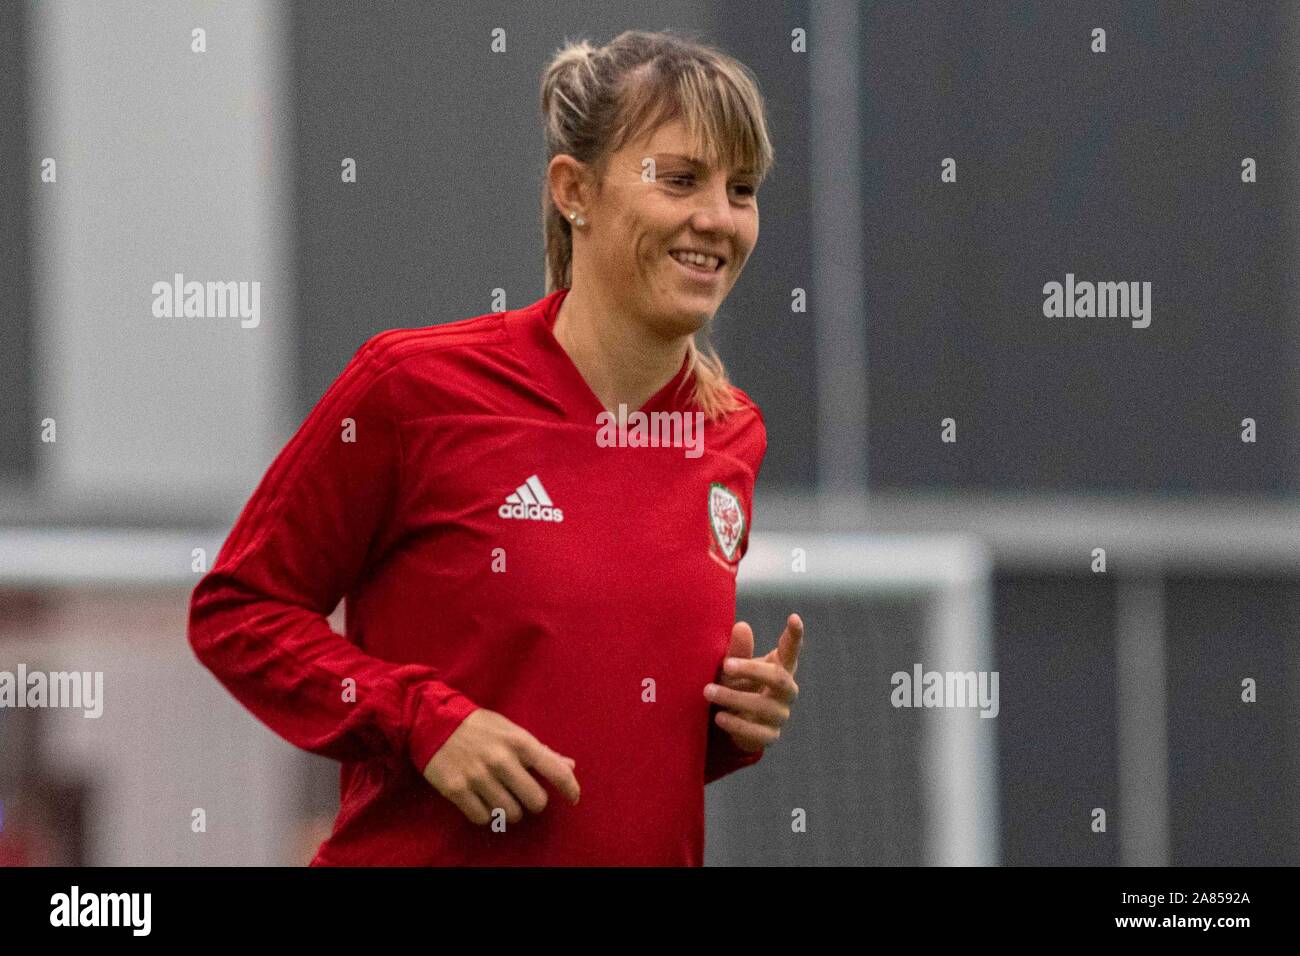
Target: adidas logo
530,501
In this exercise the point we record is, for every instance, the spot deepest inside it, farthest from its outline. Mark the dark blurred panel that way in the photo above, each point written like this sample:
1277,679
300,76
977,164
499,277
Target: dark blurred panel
1233,765
1057,734
18,412
1122,166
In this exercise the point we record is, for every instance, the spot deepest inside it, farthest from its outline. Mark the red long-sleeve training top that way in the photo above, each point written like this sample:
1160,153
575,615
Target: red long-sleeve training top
450,486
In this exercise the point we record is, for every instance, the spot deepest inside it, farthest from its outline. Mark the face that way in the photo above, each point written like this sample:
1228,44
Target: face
638,226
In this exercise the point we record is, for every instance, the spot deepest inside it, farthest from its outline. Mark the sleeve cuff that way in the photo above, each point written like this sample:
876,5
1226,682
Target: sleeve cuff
438,712
724,756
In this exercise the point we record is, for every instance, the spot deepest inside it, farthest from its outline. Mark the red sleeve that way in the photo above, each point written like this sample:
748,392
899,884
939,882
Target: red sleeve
723,756
258,618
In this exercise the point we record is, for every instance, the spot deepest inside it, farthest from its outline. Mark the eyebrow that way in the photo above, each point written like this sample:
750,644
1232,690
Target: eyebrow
690,159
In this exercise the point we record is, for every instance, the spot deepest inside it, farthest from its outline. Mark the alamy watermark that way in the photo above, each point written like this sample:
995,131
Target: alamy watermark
179,299
652,430
1102,300
130,910
24,688
922,688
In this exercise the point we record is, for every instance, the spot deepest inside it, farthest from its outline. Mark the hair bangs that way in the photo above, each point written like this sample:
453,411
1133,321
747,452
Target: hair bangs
724,127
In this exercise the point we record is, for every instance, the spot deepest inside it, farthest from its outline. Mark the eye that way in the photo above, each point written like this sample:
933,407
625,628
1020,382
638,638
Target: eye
747,190
679,179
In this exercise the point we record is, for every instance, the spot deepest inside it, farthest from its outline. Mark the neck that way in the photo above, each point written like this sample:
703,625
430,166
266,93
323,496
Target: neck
624,361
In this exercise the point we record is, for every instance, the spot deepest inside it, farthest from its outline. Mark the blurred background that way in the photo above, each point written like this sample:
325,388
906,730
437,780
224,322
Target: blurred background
881,302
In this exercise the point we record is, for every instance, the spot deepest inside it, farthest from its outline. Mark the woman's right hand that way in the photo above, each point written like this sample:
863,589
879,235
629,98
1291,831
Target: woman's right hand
485,764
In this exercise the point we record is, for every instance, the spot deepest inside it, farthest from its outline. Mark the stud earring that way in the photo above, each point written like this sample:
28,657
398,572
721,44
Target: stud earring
577,220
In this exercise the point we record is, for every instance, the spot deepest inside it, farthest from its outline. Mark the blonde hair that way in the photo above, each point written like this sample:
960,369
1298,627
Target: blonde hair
596,99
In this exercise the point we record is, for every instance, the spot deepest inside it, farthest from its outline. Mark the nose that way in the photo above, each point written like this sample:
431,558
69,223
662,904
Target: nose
713,212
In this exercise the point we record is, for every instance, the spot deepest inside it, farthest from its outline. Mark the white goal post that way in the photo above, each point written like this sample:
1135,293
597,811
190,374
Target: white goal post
953,576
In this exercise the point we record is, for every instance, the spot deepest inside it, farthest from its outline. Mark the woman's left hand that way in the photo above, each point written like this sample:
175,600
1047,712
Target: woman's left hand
755,693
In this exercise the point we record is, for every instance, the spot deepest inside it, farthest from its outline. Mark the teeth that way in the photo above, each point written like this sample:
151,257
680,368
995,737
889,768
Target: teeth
697,259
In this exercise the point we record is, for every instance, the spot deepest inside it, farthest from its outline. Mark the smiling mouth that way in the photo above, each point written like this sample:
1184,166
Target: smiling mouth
698,261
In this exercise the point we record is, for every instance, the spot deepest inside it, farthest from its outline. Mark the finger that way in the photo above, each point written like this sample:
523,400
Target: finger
469,803
748,736
790,642
492,793
735,682
773,676
537,756
741,643
758,708
521,784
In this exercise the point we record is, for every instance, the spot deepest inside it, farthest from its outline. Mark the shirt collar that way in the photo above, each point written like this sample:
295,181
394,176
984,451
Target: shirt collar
534,336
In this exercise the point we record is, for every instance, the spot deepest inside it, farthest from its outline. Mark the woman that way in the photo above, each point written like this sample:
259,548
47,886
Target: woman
526,603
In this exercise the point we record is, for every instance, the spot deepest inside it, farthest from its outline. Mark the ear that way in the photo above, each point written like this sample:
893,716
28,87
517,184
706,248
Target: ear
568,179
